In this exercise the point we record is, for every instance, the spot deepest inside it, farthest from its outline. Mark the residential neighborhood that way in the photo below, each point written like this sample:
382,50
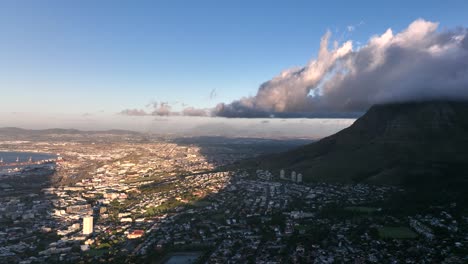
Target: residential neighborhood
145,202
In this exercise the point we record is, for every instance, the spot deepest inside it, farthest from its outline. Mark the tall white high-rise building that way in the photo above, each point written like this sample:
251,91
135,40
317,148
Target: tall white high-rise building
88,225
281,174
299,177
293,176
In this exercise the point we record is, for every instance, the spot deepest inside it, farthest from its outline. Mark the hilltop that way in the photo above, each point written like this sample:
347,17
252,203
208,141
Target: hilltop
405,143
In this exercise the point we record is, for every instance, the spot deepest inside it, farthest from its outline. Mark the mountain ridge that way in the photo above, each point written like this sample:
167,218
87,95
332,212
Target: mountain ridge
400,143
17,130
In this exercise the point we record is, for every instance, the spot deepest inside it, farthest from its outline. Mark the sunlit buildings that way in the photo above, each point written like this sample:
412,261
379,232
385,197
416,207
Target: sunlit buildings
87,225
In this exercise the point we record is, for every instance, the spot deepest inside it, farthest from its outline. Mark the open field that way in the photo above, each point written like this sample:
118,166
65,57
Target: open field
396,232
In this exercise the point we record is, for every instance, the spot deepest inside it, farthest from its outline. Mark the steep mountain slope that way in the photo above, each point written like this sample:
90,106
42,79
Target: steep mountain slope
406,143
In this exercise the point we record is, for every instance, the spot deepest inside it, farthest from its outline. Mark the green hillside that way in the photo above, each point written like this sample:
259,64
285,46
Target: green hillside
407,143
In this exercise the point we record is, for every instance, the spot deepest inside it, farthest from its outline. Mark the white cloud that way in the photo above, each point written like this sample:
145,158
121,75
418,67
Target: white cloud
165,109
418,63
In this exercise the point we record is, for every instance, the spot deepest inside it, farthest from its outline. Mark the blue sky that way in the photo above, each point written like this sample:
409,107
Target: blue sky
91,56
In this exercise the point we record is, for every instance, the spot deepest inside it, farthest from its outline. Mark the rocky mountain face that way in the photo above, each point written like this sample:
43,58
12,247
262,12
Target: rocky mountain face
418,143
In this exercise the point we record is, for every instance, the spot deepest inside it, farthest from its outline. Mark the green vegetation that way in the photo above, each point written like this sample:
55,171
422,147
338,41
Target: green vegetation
161,256
279,220
157,177
362,209
96,252
219,217
200,203
103,245
114,208
160,187
396,232
167,206
391,144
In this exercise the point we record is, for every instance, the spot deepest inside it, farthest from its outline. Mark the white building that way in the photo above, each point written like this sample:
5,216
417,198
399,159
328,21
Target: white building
293,176
87,225
281,174
299,177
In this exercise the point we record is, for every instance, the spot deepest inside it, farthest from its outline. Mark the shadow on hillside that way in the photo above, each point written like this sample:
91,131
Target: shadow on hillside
27,223
221,151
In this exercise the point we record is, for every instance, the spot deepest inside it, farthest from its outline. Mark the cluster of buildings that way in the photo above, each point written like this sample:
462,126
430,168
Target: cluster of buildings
62,215
263,218
295,177
141,201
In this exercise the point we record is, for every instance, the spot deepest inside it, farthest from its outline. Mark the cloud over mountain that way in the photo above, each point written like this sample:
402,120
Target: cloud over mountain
161,109
165,109
192,111
418,63
134,112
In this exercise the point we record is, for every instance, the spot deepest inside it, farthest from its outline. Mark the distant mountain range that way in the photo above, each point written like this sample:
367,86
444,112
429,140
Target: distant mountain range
419,143
14,131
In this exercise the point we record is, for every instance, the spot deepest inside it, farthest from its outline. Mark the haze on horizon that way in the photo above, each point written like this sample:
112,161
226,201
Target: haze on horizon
185,126
182,68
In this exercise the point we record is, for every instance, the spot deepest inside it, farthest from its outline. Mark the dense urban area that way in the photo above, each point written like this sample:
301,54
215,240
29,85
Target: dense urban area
127,199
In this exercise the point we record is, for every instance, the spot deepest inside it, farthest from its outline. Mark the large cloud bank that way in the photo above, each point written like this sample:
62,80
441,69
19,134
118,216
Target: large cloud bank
418,63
